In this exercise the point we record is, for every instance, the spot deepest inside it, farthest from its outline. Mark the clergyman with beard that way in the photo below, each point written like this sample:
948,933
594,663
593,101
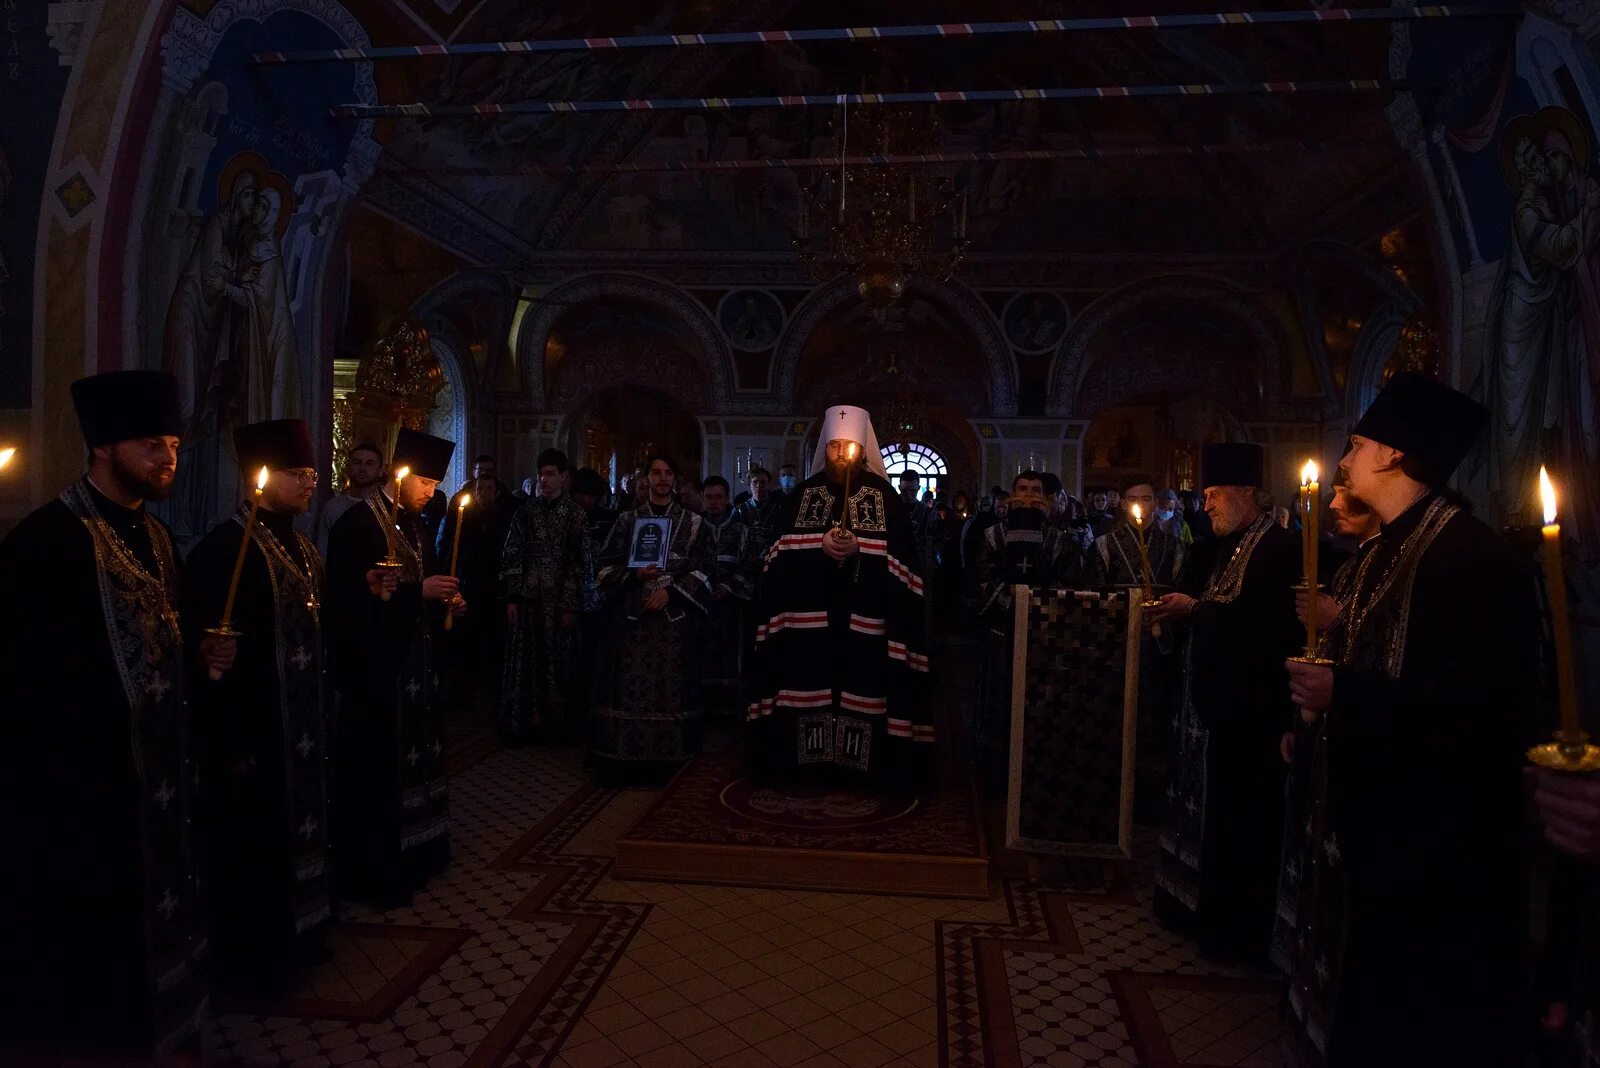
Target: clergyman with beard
102,924
839,689
1217,866
261,728
364,473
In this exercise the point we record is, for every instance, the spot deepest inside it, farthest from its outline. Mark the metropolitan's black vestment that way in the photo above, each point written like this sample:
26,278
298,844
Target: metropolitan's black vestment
1412,916
1221,841
839,678
391,824
262,740
102,911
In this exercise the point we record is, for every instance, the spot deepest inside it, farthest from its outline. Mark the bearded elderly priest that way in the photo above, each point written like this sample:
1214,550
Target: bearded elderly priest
1217,866
840,670
391,829
1412,914
102,917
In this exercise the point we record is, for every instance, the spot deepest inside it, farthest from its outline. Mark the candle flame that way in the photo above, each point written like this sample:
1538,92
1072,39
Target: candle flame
1309,473
1138,513
466,499
1547,496
6,456
400,475
261,479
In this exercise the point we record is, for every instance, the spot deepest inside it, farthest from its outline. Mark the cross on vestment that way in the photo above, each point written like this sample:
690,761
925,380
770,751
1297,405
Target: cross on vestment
413,756
300,658
412,688
165,795
157,687
308,827
305,745
437,748
168,905
1024,566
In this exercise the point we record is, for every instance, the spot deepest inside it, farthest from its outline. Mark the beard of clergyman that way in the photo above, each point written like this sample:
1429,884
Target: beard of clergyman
139,484
837,472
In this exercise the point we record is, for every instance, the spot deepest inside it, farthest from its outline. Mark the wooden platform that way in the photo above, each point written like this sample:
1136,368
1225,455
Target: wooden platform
712,824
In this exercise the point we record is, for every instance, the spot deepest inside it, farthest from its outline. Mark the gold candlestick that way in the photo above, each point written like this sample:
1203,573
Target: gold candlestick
455,551
391,562
225,629
1571,750
1310,506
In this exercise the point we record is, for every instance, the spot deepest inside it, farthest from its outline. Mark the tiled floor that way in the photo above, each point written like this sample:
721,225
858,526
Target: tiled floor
527,953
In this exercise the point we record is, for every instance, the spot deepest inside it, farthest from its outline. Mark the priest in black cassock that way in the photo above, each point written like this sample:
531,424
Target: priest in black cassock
102,913
1024,549
839,678
261,729
1412,916
1220,843
647,716
391,824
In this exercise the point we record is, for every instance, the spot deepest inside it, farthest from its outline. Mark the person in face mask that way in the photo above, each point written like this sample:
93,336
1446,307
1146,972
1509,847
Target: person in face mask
1170,516
788,479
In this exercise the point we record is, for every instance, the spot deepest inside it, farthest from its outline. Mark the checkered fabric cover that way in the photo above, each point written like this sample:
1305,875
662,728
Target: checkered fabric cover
1067,789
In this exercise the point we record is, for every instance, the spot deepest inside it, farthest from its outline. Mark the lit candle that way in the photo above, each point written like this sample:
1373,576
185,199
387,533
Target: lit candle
455,548
6,456
244,545
1309,495
1561,627
1144,552
392,562
225,628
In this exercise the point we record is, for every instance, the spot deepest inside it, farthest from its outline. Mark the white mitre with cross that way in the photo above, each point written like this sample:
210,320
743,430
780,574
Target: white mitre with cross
846,422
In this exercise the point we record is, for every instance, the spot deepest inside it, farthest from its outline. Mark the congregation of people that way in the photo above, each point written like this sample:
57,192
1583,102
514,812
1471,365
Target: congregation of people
234,743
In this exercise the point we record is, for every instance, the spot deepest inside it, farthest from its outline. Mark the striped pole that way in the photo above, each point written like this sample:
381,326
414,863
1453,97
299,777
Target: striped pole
886,33
977,96
902,159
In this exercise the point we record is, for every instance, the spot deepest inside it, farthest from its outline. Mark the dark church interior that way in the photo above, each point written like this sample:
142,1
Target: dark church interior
737,532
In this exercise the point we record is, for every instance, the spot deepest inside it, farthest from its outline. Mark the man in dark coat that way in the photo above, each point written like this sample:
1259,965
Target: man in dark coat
102,914
385,593
1416,792
476,644
1220,844
262,727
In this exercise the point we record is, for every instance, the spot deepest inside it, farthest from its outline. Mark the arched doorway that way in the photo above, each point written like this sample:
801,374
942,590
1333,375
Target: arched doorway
617,429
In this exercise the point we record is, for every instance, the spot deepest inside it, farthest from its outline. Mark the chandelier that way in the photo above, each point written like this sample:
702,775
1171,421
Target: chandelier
904,418
882,226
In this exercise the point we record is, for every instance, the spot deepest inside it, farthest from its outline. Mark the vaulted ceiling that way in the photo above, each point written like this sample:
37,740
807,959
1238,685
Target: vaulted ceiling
1247,176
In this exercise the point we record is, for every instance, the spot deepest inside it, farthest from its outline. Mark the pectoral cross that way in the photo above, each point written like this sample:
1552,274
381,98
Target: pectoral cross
1024,566
157,687
168,905
165,795
413,756
300,658
305,745
308,827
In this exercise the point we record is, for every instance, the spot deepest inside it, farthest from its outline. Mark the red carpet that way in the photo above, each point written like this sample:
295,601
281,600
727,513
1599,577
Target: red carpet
712,824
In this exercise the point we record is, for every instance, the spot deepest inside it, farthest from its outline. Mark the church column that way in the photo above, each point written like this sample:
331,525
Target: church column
735,444
1009,446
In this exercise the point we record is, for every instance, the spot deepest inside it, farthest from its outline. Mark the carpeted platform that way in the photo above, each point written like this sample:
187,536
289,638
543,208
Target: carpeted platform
712,824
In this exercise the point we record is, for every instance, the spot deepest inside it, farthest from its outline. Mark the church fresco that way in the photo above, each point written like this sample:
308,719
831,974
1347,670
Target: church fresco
241,203
31,85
